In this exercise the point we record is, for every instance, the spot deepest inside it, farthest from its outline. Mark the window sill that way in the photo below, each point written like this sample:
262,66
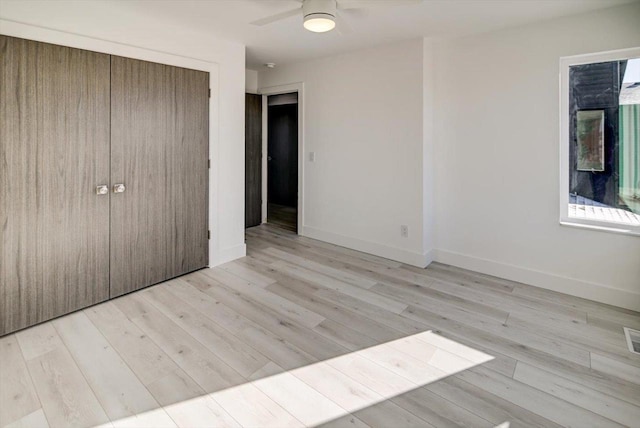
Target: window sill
619,229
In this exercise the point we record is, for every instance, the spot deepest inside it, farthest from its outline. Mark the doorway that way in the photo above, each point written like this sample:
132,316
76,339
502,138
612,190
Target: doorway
282,160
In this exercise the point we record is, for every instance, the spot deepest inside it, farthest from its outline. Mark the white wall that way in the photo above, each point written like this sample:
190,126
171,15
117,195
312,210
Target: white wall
364,114
106,28
251,81
497,169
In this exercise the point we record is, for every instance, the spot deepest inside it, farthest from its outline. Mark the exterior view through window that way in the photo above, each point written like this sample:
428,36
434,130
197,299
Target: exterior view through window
604,143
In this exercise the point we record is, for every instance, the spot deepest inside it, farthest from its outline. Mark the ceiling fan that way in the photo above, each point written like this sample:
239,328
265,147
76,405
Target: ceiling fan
321,15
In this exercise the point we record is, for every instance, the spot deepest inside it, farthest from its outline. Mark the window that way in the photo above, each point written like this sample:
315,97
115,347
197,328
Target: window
600,141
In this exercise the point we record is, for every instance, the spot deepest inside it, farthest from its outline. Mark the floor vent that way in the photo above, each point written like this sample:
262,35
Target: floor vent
633,340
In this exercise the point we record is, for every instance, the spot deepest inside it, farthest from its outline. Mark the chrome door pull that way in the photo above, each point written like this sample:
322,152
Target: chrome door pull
118,188
103,189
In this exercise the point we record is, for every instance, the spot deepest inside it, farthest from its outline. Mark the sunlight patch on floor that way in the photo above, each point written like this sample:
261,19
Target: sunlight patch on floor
327,390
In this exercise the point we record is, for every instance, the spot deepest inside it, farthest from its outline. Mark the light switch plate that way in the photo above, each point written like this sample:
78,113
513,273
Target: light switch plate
312,156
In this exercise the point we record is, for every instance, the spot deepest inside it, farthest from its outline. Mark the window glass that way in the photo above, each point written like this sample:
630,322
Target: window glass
604,142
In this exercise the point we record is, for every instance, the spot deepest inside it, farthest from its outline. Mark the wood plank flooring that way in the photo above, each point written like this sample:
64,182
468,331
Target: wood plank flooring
304,333
282,216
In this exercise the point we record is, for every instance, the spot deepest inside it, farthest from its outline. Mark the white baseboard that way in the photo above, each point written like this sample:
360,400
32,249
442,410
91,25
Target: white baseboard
393,253
227,254
575,287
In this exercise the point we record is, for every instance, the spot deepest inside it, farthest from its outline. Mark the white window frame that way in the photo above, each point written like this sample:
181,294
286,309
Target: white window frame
565,64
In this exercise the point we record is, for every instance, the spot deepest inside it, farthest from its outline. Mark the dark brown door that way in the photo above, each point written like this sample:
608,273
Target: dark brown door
159,152
253,160
54,151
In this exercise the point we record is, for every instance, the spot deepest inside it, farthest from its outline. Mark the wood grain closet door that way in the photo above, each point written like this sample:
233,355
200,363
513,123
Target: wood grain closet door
54,151
159,151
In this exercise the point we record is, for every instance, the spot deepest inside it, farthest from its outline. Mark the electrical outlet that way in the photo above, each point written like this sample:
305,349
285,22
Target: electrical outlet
404,231
312,156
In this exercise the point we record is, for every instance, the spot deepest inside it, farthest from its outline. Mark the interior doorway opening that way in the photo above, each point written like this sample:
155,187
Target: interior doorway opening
282,160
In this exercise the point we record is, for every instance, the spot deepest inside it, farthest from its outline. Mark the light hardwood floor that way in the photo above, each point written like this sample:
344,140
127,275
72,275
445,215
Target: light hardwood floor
302,332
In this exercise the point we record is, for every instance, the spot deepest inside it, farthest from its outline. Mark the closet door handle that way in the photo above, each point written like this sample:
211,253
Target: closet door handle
102,189
119,188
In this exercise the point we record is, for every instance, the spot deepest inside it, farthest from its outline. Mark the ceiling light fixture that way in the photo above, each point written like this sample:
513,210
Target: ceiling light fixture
319,23
319,15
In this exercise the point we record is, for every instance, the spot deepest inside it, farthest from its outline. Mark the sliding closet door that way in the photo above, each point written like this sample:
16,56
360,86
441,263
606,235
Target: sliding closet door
54,151
159,152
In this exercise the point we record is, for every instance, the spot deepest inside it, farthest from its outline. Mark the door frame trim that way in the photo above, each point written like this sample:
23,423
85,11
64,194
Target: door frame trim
217,254
277,90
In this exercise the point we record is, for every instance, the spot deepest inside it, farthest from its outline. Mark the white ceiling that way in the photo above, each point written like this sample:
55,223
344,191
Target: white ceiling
286,41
